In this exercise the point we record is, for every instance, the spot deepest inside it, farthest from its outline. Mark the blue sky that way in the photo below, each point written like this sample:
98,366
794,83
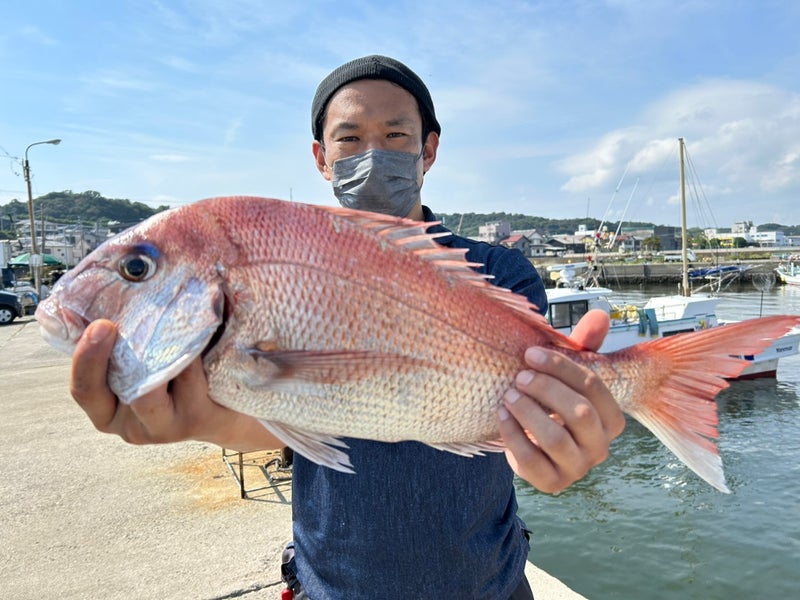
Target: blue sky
562,108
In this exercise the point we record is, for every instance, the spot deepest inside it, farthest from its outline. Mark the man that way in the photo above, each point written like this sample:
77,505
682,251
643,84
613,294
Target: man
413,521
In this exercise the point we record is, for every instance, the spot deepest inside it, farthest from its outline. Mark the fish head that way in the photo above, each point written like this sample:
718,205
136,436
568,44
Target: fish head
165,299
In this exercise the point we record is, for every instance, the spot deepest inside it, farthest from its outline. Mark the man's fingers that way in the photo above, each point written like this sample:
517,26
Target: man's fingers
88,384
559,418
575,392
591,330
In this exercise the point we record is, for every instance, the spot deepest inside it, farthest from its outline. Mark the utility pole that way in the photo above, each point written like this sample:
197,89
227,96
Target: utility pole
34,259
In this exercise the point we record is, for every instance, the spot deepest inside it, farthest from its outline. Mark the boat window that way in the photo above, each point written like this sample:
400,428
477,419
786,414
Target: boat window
676,332
567,314
578,310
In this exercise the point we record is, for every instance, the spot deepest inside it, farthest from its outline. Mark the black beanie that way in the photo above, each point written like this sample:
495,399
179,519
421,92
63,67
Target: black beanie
373,67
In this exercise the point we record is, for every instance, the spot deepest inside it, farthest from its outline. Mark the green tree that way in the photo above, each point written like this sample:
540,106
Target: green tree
651,244
87,207
700,241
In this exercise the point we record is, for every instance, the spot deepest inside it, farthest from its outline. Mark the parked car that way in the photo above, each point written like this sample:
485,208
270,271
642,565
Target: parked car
10,307
27,295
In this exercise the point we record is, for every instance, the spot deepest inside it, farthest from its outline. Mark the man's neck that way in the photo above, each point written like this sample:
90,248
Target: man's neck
416,213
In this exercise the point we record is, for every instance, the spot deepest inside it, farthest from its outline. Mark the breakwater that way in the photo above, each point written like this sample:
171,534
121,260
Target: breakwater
615,273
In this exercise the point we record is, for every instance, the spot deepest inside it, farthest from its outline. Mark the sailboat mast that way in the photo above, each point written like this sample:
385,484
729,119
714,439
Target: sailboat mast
684,241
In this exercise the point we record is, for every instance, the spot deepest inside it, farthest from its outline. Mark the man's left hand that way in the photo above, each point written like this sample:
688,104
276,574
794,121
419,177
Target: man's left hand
559,418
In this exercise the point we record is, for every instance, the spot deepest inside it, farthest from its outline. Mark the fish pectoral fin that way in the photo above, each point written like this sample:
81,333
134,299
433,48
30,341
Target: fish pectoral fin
317,447
470,449
327,366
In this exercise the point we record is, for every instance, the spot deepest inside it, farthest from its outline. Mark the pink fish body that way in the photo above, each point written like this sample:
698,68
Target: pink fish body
327,323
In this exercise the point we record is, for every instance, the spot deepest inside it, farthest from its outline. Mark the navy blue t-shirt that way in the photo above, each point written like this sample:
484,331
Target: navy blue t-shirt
413,521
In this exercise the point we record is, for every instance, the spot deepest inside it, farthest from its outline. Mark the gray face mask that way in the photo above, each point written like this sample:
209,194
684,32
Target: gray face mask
378,180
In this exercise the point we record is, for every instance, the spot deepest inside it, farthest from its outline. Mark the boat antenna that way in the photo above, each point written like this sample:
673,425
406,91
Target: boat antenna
611,201
624,212
684,236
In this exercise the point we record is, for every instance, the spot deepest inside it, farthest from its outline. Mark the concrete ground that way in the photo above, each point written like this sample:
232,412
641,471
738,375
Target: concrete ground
85,515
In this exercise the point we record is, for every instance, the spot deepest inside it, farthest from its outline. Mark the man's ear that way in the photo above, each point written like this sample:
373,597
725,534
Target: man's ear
429,151
319,159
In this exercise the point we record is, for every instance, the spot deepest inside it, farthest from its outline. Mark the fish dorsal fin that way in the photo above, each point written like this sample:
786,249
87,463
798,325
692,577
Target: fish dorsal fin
414,237
451,262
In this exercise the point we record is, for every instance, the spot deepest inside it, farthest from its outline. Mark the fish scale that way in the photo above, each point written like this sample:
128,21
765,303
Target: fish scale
370,326
327,323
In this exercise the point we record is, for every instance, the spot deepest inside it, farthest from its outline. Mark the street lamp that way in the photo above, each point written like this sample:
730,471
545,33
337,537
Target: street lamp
34,255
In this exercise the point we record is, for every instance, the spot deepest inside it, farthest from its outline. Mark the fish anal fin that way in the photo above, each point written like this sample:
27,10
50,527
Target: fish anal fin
470,449
316,447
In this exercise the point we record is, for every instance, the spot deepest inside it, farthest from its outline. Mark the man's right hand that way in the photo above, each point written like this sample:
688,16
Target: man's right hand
178,411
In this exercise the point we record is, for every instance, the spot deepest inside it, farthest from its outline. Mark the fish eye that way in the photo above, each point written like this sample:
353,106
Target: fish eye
137,267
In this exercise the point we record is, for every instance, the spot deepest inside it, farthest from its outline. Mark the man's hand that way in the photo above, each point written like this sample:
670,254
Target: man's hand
179,411
559,418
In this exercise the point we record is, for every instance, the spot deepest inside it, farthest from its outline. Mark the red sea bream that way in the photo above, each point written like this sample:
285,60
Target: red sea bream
327,323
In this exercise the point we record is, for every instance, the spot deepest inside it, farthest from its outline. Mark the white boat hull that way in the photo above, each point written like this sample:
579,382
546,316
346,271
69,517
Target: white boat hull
766,363
789,273
661,316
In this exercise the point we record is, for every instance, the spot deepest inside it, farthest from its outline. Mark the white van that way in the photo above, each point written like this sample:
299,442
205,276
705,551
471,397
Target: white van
679,257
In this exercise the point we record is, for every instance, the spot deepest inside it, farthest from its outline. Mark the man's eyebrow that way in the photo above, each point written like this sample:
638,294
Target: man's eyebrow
344,126
348,126
400,121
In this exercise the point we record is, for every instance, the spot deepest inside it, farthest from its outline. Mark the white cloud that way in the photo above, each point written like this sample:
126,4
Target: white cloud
599,168
742,139
784,173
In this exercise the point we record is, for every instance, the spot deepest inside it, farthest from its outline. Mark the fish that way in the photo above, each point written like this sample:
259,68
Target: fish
328,323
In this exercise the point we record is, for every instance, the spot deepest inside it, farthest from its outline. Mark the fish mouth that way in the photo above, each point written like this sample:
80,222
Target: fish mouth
60,326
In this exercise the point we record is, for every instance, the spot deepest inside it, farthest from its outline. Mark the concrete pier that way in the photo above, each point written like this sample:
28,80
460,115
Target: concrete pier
613,273
85,515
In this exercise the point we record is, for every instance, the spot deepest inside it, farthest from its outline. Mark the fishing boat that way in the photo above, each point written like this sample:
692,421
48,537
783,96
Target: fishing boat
661,316
720,276
789,271
577,291
630,324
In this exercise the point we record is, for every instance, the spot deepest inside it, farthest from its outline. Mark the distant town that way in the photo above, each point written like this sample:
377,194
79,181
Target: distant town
68,244
661,239
69,225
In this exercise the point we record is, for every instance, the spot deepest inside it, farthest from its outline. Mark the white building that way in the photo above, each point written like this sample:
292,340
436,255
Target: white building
750,234
494,232
535,245
768,239
68,243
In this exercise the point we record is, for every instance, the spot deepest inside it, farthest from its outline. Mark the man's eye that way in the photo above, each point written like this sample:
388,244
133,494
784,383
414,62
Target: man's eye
396,134
348,138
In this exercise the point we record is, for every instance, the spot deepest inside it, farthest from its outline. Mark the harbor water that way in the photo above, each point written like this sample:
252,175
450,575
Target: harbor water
642,525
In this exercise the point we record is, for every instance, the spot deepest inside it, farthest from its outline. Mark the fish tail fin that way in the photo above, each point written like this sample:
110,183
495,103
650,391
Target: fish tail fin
691,370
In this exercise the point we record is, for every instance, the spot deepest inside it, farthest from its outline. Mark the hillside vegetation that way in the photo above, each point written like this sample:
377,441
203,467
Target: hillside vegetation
80,207
93,207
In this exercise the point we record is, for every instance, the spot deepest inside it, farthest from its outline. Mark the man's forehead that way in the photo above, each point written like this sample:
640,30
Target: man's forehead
373,90
354,104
